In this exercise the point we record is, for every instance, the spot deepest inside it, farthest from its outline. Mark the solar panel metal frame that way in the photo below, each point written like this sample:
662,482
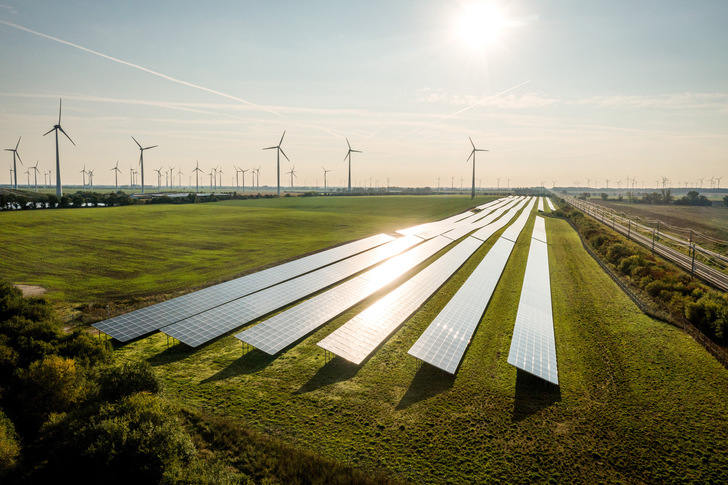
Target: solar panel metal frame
285,328
359,337
201,328
533,346
444,342
140,322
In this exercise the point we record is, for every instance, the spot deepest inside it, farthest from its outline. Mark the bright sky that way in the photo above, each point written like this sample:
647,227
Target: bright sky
563,90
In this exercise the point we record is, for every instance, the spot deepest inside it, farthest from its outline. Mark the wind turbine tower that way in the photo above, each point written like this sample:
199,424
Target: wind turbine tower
197,177
348,155
472,155
278,162
15,166
292,173
325,172
35,170
141,158
116,175
56,128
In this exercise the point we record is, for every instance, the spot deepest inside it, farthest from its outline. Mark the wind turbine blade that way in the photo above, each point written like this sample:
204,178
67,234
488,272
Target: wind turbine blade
284,134
347,142
149,148
472,154
69,138
471,142
481,150
269,148
44,134
140,147
60,107
21,160
357,151
18,144
284,154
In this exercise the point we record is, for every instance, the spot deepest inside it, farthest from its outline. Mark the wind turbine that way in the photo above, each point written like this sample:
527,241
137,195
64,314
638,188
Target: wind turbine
278,162
35,170
116,175
220,172
210,174
607,183
84,172
243,172
292,172
197,176
179,176
141,158
15,166
91,178
325,172
159,178
257,174
472,155
348,155
171,177
27,172
56,128
237,181
717,180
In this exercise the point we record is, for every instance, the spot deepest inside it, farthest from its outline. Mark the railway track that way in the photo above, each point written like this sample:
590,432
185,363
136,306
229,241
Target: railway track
710,275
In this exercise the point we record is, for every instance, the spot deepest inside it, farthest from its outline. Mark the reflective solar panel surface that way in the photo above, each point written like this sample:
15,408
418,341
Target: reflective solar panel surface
443,343
512,232
540,204
466,229
533,348
360,336
551,204
201,328
486,232
280,331
140,322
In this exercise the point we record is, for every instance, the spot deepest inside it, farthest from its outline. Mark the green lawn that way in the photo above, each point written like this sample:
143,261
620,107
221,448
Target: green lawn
99,255
639,401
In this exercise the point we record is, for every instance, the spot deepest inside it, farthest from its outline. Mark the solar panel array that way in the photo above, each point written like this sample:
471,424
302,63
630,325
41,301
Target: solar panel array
280,331
199,329
444,342
533,348
140,322
540,204
551,204
360,336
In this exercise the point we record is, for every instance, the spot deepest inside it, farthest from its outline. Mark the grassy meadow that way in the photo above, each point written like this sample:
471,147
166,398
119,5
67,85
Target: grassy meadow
639,401
102,255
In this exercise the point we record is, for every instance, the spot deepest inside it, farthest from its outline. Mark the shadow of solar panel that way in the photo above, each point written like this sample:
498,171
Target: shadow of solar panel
280,331
360,336
533,347
201,328
445,340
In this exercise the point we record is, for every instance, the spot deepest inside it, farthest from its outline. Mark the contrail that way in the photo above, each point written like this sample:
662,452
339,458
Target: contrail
135,66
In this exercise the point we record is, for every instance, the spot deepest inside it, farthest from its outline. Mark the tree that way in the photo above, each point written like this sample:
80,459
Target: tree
120,381
725,200
605,196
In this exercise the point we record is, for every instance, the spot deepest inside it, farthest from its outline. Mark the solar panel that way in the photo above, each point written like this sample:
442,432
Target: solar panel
551,204
140,322
201,328
540,204
445,340
486,232
360,336
280,331
533,348
463,230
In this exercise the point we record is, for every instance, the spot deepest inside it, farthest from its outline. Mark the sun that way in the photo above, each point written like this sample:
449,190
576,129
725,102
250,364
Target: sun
481,25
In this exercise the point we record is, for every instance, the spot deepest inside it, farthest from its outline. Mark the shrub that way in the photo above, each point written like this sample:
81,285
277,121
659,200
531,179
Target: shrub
616,252
120,381
9,445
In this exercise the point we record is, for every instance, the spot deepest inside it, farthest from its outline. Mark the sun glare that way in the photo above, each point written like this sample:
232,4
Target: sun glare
481,25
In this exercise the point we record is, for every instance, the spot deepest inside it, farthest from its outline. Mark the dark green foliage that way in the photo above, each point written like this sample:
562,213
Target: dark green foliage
693,198
136,438
124,380
9,445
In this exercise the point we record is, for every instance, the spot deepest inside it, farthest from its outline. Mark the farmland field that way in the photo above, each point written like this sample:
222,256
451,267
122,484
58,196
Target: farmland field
639,400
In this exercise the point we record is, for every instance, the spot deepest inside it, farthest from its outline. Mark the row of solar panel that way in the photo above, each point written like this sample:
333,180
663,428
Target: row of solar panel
533,347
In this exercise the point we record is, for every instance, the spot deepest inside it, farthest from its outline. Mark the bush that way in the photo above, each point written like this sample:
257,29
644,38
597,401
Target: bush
120,381
9,445
616,252
135,439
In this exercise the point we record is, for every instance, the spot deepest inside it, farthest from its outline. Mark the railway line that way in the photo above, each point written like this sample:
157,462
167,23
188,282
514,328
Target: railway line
631,230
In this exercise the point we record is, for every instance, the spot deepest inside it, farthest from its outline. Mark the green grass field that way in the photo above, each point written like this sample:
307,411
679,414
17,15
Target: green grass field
92,255
639,400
